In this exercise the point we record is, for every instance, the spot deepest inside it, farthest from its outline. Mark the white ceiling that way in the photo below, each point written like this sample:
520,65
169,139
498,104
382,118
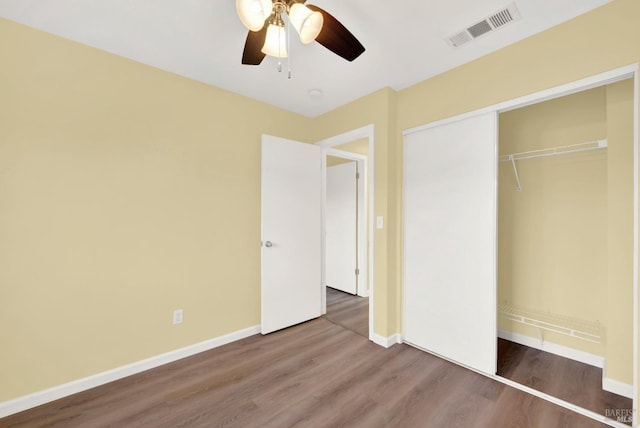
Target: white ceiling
204,39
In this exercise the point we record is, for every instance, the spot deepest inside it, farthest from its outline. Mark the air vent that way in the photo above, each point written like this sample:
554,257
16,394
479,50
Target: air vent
487,25
479,29
501,18
460,39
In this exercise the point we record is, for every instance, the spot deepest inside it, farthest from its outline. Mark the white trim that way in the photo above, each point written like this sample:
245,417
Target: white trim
494,292
570,406
553,348
386,342
323,233
601,79
368,132
346,155
45,396
636,111
355,134
617,387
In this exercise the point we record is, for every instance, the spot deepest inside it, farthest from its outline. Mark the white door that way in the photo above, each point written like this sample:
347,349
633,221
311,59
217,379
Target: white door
450,241
291,261
341,227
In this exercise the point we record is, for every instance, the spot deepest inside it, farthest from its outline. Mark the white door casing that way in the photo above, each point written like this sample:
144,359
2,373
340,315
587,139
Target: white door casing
450,178
291,253
363,231
368,249
341,227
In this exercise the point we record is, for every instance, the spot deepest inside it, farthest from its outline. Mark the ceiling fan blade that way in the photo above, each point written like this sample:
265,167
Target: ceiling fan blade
252,54
335,37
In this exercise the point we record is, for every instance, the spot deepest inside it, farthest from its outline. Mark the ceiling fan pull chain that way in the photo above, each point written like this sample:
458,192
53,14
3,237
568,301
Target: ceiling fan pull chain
279,51
289,50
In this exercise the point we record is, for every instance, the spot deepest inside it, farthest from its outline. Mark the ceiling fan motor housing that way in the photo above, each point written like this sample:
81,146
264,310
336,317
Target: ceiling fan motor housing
311,23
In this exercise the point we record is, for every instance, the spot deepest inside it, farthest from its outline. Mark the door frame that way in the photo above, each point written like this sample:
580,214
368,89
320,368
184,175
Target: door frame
361,161
367,132
605,78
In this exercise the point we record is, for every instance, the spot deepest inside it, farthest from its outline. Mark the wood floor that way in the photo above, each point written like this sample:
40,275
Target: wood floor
316,374
572,381
349,311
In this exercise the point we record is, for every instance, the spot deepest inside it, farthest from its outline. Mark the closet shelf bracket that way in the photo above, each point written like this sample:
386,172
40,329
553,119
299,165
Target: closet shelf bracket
515,171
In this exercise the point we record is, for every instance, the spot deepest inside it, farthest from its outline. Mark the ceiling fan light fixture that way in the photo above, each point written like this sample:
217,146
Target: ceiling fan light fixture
276,42
253,13
307,23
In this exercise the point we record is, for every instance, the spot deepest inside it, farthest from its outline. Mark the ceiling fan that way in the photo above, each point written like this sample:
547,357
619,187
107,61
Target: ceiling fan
267,35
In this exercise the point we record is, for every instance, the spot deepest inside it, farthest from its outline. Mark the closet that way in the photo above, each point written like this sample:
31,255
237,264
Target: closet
519,225
565,235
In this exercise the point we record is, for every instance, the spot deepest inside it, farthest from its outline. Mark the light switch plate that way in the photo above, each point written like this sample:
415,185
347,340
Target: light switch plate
178,316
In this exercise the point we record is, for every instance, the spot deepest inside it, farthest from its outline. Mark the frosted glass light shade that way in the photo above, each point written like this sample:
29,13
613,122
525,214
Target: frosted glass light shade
307,23
253,13
276,42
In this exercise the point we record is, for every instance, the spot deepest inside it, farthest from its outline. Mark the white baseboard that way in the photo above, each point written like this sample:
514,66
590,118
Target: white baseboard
553,348
45,396
386,342
363,293
617,387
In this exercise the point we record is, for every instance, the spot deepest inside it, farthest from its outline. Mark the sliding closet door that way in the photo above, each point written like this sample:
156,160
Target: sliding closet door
450,178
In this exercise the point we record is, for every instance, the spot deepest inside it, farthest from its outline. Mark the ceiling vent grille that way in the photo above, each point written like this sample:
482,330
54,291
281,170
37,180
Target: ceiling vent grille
487,25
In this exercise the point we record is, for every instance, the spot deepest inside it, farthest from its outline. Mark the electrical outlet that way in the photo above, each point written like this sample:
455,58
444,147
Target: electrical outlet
178,316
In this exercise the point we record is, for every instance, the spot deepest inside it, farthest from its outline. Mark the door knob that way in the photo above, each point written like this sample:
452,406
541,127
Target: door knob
268,244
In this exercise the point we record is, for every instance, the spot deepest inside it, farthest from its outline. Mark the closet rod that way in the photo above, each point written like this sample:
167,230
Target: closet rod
556,151
553,151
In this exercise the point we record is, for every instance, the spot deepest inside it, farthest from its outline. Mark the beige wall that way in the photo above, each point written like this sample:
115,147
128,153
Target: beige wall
563,244
143,172
333,161
619,293
127,192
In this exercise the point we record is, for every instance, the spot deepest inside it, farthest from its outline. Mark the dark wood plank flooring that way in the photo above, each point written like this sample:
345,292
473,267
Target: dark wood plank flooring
569,380
316,374
349,311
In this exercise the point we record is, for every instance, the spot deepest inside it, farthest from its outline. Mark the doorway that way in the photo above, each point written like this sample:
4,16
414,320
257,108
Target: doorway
345,220
354,147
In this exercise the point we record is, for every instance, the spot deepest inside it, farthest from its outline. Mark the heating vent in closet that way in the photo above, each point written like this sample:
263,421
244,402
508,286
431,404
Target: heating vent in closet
487,25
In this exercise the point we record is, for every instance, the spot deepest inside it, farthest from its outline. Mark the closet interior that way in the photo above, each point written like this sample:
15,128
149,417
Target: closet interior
565,247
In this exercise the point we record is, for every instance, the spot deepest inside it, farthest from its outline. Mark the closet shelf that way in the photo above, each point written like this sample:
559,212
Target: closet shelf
552,151
590,331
